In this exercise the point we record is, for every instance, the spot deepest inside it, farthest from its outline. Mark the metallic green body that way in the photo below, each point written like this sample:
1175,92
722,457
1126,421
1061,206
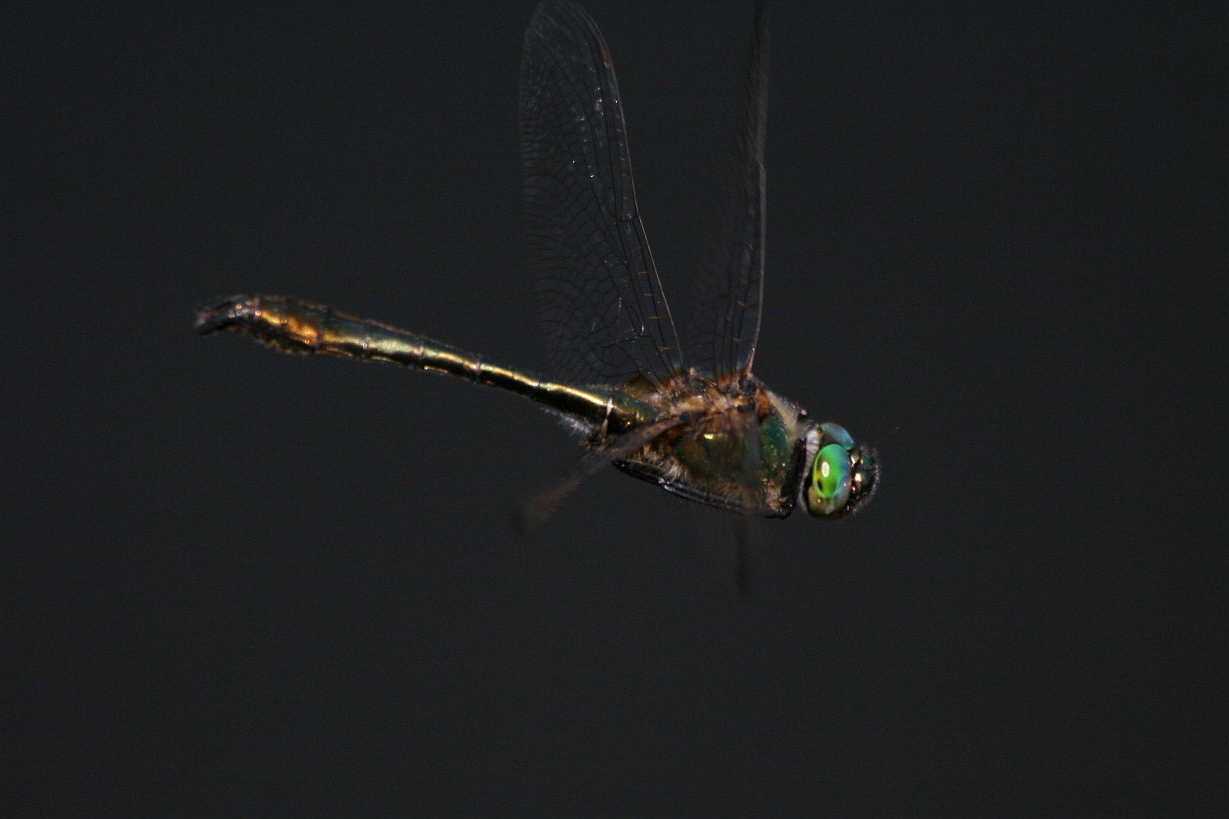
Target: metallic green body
735,445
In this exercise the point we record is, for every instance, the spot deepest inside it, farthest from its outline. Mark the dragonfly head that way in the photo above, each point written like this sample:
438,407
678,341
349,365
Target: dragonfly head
840,476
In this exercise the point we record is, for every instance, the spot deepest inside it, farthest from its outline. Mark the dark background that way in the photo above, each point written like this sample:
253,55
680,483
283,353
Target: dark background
238,583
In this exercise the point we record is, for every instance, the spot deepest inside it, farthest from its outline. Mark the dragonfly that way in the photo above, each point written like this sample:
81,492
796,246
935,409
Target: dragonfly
679,410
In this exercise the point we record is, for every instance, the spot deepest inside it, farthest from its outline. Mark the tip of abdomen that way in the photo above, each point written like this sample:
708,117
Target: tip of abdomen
223,315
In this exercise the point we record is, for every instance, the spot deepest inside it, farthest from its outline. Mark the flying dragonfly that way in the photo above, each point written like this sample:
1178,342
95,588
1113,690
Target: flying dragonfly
683,412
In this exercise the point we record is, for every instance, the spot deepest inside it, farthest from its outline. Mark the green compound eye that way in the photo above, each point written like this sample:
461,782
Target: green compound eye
837,433
831,477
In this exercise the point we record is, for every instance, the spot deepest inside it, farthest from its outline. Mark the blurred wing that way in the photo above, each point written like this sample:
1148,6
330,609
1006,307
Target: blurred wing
727,300
604,311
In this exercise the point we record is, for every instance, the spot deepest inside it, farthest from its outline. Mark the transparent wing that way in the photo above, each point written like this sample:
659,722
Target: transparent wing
604,311
727,299
542,506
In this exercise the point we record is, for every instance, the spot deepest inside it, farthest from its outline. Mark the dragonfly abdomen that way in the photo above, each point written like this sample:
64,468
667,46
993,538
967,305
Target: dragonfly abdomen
297,326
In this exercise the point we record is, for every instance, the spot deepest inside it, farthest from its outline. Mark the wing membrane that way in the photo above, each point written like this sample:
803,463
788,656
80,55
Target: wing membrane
605,315
727,300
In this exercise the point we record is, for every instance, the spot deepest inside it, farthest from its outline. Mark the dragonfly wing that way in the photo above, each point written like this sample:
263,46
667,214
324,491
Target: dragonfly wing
604,311
727,299
543,505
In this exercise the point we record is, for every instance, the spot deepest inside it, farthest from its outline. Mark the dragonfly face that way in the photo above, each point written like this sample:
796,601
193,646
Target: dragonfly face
840,475
679,409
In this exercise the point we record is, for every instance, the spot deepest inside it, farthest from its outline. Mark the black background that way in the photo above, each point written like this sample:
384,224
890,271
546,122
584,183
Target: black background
238,583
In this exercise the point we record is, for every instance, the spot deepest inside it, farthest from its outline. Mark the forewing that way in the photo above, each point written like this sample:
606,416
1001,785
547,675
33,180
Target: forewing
605,315
727,299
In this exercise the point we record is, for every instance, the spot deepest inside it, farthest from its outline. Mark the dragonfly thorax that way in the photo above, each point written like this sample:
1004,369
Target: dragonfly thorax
741,449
